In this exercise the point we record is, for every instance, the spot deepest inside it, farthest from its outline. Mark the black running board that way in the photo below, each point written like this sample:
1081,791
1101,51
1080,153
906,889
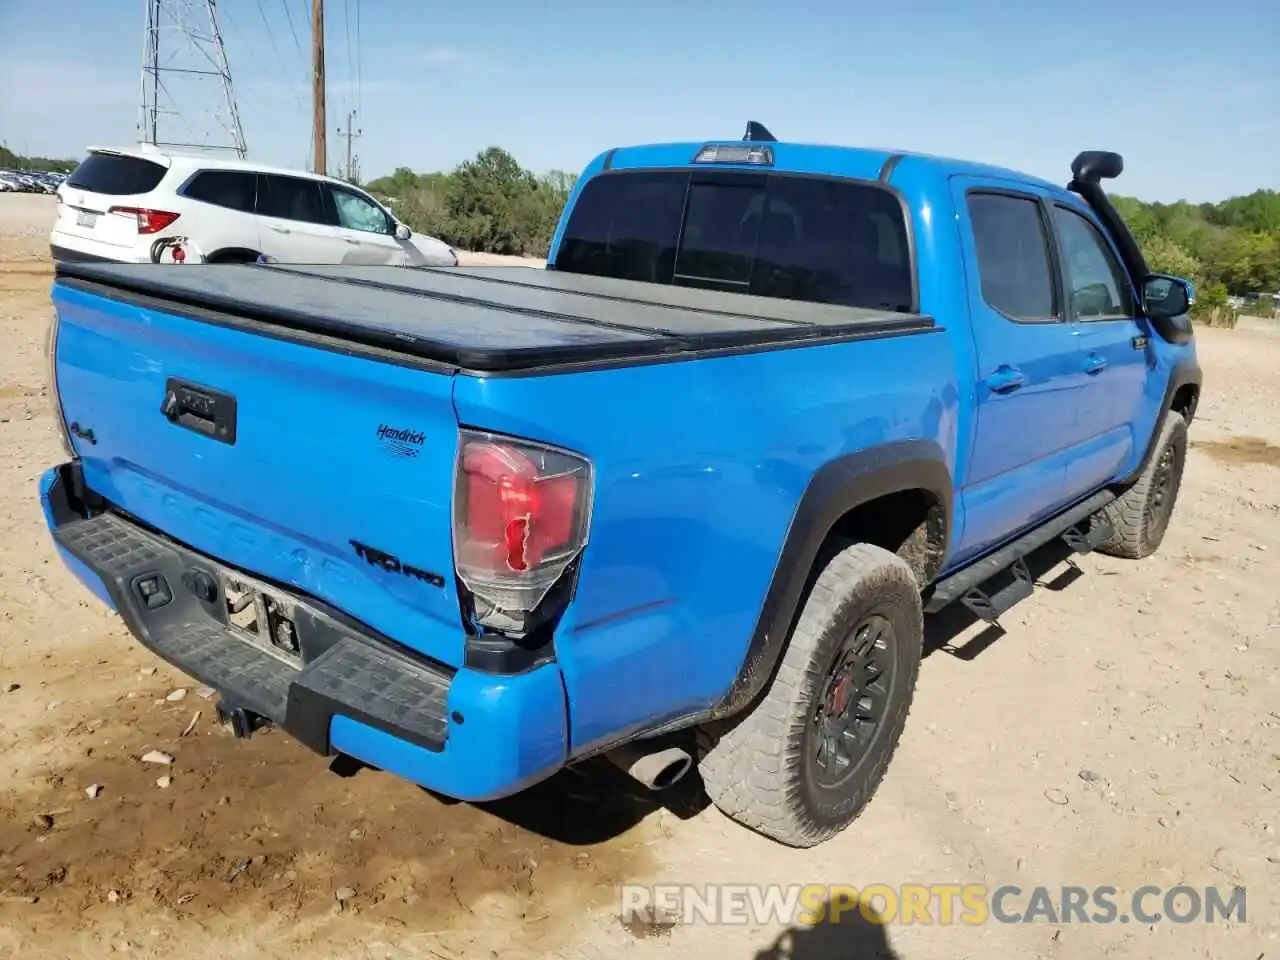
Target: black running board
1001,579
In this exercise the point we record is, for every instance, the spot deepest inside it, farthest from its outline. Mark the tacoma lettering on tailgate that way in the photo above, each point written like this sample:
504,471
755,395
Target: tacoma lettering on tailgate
393,564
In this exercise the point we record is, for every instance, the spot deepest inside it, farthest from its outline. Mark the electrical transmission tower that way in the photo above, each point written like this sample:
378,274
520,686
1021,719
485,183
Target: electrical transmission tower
187,100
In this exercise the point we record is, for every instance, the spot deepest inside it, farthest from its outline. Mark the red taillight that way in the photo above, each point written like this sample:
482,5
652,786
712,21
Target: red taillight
521,515
149,221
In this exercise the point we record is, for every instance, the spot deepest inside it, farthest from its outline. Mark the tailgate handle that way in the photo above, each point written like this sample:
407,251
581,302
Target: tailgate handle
200,409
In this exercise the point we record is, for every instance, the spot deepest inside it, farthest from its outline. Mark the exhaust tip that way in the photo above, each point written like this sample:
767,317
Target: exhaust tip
672,773
654,766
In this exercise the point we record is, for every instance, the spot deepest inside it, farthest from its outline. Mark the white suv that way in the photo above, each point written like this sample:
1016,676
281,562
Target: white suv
133,205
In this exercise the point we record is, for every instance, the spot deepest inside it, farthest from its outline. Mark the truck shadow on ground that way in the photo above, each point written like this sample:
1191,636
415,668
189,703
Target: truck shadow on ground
583,805
941,629
595,802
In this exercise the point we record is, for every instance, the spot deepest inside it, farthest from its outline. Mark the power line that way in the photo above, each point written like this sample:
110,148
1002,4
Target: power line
297,46
293,30
346,18
271,37
284,71
359,47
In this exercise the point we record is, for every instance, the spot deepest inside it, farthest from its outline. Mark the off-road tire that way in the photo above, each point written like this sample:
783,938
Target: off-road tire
232,258
1142,513
761,771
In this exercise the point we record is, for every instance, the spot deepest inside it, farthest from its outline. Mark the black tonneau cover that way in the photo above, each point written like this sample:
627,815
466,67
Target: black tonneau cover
491,319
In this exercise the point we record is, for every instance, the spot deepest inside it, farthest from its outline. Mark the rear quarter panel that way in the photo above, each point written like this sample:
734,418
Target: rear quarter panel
699,468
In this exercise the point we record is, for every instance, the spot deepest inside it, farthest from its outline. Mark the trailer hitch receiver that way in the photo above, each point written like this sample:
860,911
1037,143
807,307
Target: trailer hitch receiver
241,722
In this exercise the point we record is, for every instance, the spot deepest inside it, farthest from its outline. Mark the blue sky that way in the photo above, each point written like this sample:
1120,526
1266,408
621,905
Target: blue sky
1189,94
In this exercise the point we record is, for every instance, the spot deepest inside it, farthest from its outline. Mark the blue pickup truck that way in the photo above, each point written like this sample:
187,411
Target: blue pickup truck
682,499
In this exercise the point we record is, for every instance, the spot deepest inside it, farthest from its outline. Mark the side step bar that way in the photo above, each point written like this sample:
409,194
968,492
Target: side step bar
982,588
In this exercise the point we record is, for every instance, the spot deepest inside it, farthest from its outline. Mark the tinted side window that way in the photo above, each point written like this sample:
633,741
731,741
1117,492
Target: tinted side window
1096,284
294,198
116,176
1013,256
223,188
792,237
358,213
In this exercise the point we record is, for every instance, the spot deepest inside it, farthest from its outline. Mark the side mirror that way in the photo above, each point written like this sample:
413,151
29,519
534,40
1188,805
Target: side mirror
1165,297
403,232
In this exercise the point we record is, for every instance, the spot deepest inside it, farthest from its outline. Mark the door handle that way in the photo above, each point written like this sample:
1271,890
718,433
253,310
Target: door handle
1006,380
1094,364
280,229
209,412
351,240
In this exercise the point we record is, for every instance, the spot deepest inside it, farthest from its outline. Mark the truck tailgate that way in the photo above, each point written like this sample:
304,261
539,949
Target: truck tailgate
311,468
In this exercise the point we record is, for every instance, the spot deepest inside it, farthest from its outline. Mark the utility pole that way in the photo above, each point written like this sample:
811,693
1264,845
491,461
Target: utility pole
351,171
318,152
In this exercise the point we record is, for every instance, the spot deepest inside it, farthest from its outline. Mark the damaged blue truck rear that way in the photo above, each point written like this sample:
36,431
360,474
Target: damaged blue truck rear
683,499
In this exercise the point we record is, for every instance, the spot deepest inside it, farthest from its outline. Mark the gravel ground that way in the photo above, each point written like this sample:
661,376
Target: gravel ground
1123,731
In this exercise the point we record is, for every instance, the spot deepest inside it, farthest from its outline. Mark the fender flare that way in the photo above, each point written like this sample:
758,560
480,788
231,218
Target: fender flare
836,488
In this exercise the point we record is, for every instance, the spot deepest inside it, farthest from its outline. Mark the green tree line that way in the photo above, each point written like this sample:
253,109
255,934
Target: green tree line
1228,248
489,204
16,161
492,204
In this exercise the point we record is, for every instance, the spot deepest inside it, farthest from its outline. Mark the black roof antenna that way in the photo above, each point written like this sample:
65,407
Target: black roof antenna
758,131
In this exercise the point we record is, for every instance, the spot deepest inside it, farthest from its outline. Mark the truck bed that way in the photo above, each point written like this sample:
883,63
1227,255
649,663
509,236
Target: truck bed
485,319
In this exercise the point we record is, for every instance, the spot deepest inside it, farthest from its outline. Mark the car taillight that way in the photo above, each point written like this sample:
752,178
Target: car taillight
149,221
521,514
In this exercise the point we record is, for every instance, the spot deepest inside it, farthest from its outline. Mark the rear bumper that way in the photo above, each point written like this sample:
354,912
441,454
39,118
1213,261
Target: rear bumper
465,734
67,255
69,248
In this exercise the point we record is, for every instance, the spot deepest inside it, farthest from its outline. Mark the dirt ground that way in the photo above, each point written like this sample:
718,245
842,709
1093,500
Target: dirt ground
1124,730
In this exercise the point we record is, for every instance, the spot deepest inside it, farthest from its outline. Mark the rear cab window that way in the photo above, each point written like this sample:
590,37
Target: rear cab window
116,175
788,236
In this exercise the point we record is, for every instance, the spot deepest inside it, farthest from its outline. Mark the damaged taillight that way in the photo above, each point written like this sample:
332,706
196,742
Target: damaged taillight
521,513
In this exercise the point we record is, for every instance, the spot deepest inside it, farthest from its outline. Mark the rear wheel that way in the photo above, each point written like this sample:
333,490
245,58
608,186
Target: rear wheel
1141,514
234,256
805,761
